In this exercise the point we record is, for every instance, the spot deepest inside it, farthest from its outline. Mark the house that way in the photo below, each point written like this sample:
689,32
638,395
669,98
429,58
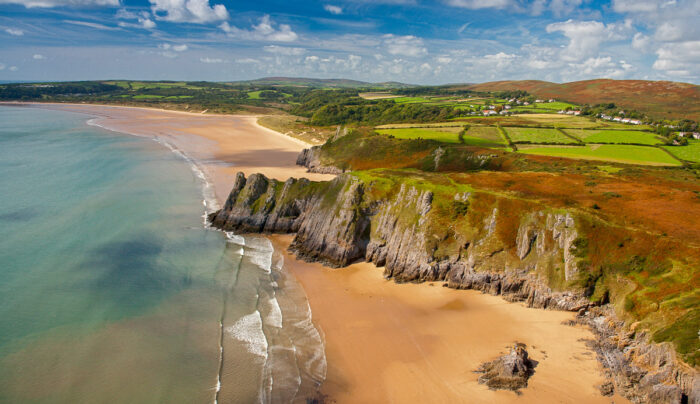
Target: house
506,106
625,120
608,117
577,113
526,103
491,107
539,100
617,119
551,100
635,122
696,135
503,112
561,111
488,112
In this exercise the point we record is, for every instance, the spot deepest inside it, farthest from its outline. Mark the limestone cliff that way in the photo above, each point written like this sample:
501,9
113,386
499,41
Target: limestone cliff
424,230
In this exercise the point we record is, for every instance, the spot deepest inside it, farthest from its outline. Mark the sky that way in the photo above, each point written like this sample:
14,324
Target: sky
410,41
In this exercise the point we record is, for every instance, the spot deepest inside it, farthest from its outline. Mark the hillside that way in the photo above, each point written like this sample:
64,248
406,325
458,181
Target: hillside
321,83
658,99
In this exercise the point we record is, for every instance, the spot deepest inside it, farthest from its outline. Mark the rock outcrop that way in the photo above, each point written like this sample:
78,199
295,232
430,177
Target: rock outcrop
311,159
509,372
468,242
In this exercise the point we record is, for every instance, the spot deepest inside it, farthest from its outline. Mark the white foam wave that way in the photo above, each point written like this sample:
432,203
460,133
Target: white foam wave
248,329
234,238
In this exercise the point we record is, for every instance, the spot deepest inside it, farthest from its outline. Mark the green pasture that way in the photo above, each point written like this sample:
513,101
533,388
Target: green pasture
691,152
614,136
538,135
607,152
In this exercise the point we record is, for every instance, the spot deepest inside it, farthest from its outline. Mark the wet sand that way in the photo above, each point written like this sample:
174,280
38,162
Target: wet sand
385,342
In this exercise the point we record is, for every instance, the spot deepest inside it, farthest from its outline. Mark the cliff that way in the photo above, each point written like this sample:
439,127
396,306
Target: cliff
427,227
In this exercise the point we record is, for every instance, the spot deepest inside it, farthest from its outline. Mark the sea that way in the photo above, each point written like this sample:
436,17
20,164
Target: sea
113,289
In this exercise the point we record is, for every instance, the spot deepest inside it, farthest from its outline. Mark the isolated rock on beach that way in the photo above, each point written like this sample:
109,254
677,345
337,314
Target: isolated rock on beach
509,372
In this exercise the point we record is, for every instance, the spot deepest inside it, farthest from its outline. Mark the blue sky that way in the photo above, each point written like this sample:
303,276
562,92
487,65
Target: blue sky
413,41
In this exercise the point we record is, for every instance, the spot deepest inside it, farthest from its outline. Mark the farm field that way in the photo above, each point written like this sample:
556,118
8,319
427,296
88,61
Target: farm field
486,132
481,136
538,135
614,136
617,153
691,152
378,95
446,135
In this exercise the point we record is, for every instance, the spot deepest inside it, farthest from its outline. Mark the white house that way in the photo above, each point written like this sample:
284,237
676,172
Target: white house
551,100
539,100
488,112
635,122
617,119
625,120
506,106
696,135
577,113
526,103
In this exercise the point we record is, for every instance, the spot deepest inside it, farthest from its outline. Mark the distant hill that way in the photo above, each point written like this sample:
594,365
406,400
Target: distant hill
658,99
309,82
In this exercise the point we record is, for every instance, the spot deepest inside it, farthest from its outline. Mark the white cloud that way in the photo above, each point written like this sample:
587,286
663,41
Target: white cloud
91,25
333,9
679,59
171,51
585,38
443,60
247,61
479,4
59,3
13,68
640,41
14,31
635,6
264,31
38,57
407,45
211,60
564,7
669,31
2,66
143,19
193,11
284,50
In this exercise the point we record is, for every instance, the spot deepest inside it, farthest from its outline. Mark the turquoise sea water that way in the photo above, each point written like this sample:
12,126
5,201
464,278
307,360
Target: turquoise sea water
112,289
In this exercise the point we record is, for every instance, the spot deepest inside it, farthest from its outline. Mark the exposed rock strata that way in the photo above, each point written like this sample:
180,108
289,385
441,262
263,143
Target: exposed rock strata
343,221
509,372
311,159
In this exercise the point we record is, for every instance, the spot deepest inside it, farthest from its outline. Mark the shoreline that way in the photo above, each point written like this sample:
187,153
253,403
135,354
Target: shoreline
380,336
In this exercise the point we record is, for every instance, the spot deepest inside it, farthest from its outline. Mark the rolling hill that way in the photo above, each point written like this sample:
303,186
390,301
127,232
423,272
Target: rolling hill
658,99
311,82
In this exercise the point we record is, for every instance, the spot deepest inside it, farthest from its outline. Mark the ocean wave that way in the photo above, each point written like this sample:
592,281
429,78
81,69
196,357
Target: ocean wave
249,330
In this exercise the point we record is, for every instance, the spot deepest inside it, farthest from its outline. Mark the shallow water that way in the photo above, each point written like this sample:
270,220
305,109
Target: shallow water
113,290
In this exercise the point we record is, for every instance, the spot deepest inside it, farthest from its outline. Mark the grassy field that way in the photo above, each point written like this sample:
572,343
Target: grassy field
538,135
445,135
614,136
254,95
476,136
410,100
618,153
691,152
485,132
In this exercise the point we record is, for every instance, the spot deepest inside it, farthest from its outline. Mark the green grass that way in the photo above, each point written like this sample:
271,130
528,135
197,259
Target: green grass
445,135
410,100
691,152
618,153
614,136
254,95
477,136
538,135
146,96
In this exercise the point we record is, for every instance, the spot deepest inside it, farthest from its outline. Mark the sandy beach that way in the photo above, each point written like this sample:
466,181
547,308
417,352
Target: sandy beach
385,342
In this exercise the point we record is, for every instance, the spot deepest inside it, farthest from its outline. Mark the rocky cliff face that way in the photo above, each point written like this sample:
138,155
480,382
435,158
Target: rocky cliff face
470,240
311,159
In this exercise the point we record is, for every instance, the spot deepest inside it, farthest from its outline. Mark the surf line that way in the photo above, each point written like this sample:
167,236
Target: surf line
224,303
